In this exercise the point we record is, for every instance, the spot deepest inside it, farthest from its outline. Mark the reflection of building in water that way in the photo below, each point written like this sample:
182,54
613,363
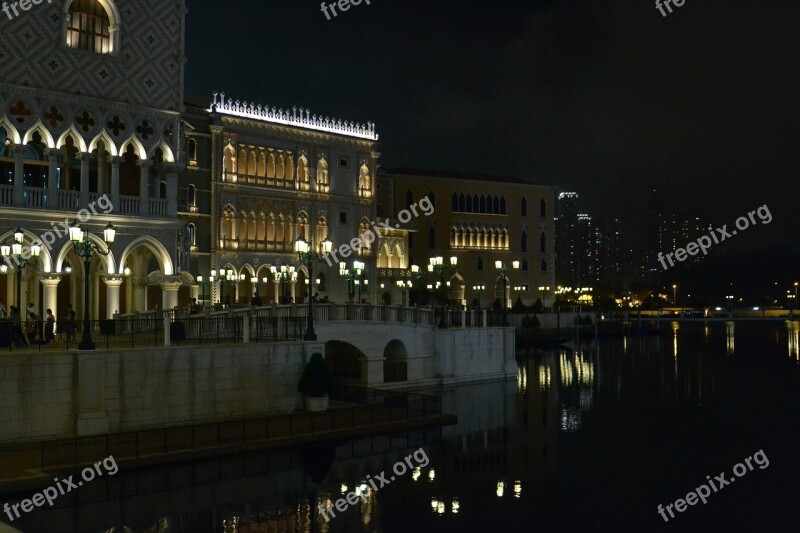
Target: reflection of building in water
793,331
729,337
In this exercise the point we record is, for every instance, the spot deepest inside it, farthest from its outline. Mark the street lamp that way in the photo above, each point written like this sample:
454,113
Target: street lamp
675,295
203,282
85,249
502,269
438,266
353,276
285,276
308,256
404,286
13,252
479,289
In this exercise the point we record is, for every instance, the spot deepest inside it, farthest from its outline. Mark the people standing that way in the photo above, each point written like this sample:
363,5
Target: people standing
17,334
2,310
49,328
71,327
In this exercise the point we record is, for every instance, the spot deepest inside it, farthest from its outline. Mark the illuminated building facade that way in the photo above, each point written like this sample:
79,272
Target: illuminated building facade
479,220
90,103
258,178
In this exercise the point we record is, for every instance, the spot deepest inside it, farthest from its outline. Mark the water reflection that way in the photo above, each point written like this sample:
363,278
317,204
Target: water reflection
521,448
730,346
793,334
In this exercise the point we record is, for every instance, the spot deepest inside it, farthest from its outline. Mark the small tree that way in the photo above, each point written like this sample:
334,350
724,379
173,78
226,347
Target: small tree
538,306
316,379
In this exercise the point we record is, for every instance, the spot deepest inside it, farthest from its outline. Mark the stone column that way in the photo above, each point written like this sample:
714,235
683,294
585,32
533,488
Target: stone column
169,294
144,187
113,283
277,292
139,294
172,188
85,159
102,176
50,299
19,179
52,179
115,163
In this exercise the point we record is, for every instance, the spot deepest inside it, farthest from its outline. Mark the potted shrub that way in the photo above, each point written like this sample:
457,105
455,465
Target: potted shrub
315,383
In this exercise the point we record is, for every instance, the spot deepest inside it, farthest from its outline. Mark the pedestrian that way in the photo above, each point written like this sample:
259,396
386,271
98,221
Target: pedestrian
2,310
49,328
71,327
17,334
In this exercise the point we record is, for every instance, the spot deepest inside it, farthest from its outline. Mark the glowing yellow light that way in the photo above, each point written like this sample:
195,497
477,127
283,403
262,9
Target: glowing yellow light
431,474
501,487
416,473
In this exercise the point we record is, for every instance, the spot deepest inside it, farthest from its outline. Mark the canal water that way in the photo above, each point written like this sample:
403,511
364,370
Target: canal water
589,439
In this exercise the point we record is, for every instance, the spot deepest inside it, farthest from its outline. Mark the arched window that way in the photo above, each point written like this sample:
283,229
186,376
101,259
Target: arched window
524,241
191,233
469,204
475,204
462,203
542,208
191,150
496,205
480,264
454,205
90,26
191,196
523,207
524,265
502,205
543,243
432,237
482,208
432,198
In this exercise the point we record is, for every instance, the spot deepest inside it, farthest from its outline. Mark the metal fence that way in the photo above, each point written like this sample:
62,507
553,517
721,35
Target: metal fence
149,332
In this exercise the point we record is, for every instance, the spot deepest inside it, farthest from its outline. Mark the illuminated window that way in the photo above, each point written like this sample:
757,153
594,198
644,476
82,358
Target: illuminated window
89,27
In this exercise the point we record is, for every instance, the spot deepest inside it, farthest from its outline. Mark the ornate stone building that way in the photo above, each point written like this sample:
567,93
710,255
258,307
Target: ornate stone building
90,103
260,177
479,219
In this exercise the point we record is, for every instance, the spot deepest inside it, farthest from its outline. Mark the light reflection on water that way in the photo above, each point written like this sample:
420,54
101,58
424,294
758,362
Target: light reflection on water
521,447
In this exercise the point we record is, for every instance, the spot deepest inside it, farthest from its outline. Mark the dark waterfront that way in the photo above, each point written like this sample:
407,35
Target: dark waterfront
588,440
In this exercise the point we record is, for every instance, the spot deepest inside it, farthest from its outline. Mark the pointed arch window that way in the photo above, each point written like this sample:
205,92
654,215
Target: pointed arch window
542,208
462,203
432,237
454,202
90,26
524,241
502,205
191,150
543,243
523,207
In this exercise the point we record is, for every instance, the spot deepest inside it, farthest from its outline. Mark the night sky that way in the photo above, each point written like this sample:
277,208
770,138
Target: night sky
607,98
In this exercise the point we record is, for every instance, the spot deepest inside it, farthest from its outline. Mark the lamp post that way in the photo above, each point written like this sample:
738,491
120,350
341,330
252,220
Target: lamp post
502,269
13,252
285,276
308,256
404,286
85,249
353,276
223,274
438,266
729,298
479,289
203,282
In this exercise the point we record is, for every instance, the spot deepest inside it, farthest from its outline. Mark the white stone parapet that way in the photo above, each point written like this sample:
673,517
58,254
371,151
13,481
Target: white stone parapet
293,117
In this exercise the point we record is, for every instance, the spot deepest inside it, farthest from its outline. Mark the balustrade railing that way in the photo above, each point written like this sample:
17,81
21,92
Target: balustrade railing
129,205
6,194
69,200
35,196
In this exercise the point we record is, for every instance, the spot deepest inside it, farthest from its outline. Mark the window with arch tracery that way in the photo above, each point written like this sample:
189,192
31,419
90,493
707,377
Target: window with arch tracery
89,27
323,179
364,182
